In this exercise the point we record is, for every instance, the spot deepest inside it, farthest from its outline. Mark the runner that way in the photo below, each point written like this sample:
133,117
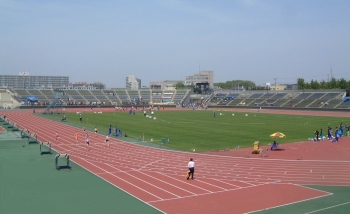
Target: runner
107,140
84,128
87,141
96,129
76,136
57,136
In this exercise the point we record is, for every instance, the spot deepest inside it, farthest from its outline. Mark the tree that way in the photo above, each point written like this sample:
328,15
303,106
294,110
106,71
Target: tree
342,83
332,84
323,84
314,84
301,84
179,85
234,84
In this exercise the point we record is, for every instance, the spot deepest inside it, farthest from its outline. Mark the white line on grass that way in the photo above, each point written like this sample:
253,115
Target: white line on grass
328,207
297,201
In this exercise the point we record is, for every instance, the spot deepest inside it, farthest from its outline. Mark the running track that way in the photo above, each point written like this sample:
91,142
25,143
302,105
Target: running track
222,184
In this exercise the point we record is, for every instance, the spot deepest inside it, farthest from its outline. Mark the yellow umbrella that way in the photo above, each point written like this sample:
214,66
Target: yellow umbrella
278,134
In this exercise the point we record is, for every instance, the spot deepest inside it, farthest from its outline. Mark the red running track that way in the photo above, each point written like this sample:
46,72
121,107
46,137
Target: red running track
222,184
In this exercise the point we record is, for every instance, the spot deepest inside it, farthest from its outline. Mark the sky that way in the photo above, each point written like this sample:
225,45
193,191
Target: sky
156,40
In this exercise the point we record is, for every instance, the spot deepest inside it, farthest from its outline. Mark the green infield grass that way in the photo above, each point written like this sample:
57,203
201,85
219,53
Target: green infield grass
186,130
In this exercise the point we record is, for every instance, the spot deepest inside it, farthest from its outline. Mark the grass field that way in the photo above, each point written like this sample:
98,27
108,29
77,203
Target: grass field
204,132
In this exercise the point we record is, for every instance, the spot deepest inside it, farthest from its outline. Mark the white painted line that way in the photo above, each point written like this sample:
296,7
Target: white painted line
151,163
296,201
208,193
328,207
121,179
115,185
193,185
159,180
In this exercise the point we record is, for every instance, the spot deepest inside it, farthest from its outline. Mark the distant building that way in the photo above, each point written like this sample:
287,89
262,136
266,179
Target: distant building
292,87
276,87
165,85
25,81
88,86
132,83
202,77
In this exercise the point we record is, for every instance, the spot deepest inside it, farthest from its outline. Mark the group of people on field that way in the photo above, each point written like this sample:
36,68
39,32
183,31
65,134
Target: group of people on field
333,136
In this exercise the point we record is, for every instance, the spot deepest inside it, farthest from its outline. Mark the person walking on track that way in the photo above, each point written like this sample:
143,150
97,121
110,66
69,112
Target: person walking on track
57,136
87,141
96,130
107,140
76,136
191,169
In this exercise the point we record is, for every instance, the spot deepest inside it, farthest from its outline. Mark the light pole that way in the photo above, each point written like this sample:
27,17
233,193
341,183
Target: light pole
238,86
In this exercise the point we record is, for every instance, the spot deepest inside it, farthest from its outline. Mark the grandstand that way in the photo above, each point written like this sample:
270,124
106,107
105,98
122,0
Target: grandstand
157,96
145,96
167,96
101,97
113,97
134,95
74,97
87,96
300,99
284,99
123,96
49,96
180,95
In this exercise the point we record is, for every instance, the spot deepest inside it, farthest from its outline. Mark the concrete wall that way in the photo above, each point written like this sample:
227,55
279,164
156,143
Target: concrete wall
6,101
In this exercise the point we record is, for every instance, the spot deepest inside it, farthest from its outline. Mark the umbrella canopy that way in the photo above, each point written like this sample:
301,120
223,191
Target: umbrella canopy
278,134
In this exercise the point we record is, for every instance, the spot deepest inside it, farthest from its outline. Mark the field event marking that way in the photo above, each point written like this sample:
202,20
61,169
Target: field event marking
296,202
150,163
165,174
121,179
328,207
190,196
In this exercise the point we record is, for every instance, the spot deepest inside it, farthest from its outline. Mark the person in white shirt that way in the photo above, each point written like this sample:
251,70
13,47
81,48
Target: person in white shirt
87,140
191,168
107,140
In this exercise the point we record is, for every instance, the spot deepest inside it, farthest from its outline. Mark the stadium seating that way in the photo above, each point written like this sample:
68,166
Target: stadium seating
112,97
297,99
180,95
145,95
123,96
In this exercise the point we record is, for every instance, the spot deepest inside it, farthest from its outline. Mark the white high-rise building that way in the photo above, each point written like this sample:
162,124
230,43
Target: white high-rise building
132,83
25,81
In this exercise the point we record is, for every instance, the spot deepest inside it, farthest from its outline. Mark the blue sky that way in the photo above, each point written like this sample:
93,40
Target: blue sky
158,40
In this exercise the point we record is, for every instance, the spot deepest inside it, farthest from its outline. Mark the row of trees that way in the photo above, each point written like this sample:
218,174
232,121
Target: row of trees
236,84
333,84
181,85
249,85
